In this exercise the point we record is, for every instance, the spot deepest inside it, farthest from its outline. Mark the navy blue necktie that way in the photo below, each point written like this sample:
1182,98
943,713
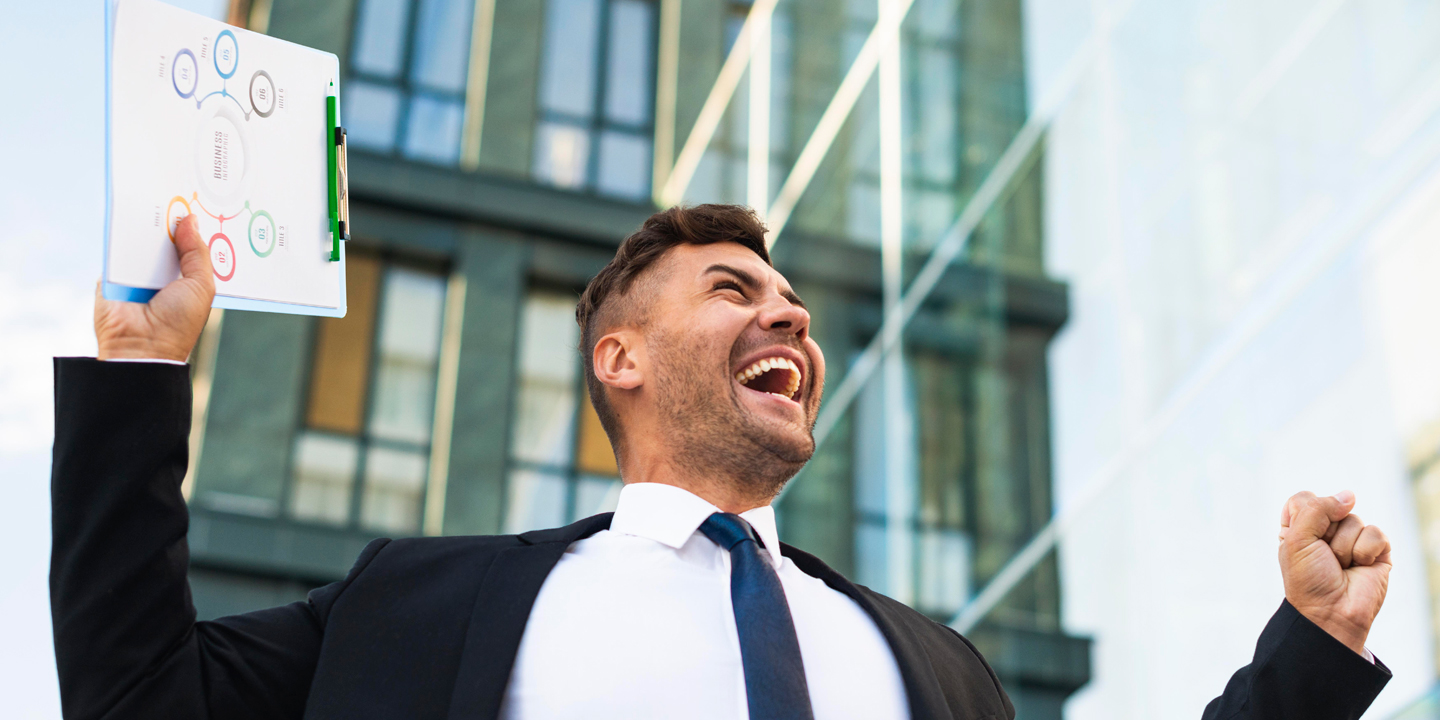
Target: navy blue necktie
774,673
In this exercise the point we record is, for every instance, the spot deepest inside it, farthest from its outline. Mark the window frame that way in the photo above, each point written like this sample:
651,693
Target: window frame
599,122
386,259
402,82
570,472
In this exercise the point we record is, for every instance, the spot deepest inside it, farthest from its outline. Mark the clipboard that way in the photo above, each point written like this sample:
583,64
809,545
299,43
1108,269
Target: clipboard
239,128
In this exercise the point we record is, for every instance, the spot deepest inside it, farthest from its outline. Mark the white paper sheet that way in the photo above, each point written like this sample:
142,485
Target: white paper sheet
230,125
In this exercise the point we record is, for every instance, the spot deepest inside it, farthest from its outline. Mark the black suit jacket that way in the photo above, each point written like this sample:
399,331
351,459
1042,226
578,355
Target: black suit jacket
421,627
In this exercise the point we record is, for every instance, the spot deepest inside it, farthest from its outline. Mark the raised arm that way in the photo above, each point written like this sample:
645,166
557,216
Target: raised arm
126,641
1311,660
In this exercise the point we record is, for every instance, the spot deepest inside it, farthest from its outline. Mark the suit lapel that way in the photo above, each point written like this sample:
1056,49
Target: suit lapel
922,687
502,607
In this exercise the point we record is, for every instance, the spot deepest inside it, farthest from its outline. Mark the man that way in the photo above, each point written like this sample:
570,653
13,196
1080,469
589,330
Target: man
682,604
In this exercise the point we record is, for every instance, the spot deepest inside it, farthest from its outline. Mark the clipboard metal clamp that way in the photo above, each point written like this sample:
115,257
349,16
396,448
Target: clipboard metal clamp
339,180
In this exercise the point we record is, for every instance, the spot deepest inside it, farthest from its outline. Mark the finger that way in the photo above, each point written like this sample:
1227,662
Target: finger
1293,505
99,303
194,254
1343,543
1310,517
1371,546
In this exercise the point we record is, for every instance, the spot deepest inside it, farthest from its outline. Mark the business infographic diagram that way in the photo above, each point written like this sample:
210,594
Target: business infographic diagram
222,154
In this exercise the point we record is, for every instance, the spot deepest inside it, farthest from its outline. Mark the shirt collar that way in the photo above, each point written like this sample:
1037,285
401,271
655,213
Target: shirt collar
670,515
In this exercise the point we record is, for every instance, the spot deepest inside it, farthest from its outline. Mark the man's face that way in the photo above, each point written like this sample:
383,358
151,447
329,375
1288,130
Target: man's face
733,369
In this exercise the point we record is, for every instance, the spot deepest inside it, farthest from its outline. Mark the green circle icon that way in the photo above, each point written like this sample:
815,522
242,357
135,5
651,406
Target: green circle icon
265,233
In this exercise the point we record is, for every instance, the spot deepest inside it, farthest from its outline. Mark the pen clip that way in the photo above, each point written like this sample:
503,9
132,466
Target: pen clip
342,185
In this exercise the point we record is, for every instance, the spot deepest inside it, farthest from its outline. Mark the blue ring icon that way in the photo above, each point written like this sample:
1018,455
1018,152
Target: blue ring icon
194,81
233,42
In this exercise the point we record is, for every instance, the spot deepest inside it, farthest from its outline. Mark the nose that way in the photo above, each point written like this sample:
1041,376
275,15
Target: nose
779,314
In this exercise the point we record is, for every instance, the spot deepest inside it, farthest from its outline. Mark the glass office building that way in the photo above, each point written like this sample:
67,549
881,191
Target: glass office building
499,153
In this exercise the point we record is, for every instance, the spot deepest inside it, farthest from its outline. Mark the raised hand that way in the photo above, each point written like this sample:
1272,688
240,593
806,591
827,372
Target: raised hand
167,327
1336,568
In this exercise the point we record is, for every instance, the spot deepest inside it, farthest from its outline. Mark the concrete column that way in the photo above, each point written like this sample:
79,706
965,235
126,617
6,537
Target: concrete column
494,265
255,405
512,89
321,24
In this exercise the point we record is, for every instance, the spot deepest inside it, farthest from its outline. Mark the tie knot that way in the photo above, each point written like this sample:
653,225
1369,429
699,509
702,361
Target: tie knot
727,530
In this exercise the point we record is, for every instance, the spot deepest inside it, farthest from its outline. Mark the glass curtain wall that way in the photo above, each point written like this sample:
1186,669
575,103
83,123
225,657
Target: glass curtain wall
561,465
975,478
596,97
406,83
363,457
974,485
721,175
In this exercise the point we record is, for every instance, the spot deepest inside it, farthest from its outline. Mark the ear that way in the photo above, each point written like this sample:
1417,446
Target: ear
619,360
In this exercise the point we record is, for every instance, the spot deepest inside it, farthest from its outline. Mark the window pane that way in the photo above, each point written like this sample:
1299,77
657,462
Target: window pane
944,570
371,114
931,213
935,19
562,153
932,143
380,36
571,35
595,495
409,347
537,500
442,44
708,185
433,132
869,439
862,212
324,473
394,483
624,166
593,451
628,72
341,371
781,63
545,405
870,555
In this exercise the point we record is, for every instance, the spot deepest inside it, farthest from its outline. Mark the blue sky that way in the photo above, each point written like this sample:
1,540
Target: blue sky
52,201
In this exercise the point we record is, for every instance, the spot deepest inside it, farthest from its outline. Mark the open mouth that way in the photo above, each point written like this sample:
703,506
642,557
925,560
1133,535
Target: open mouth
775,375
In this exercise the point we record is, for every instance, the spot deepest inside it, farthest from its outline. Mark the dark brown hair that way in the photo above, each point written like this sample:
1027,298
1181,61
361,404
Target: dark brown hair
606,301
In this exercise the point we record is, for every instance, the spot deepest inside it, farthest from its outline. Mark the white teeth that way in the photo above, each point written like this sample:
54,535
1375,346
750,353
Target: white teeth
777,363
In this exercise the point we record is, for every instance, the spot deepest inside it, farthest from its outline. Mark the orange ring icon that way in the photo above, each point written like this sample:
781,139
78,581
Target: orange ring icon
170,216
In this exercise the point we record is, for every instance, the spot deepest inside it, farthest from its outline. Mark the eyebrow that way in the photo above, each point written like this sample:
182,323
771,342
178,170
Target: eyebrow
751,283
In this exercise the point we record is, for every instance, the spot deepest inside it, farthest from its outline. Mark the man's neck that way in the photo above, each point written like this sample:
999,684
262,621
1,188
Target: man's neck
725,493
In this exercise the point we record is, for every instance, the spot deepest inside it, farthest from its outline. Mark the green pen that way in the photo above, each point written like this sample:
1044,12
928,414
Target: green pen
334,179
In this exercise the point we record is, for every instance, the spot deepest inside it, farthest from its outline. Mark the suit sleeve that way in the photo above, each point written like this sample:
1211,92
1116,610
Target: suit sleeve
1299,671
126,641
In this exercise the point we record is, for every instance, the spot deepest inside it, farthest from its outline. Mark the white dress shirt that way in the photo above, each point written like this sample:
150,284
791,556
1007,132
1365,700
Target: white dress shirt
635,622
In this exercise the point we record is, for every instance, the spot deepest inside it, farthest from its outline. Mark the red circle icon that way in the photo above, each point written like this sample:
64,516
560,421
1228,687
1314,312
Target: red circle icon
222,257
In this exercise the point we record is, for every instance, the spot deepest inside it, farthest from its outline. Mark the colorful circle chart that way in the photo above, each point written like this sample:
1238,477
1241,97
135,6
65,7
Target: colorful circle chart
262,233
227,54
264,97
222,257
174,214
262,93
185,73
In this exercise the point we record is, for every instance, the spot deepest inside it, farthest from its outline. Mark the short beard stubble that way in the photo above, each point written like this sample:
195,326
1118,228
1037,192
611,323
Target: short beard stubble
711,433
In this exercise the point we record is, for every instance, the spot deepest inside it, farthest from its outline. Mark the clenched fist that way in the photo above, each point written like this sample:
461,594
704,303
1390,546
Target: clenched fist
167,327
1336,568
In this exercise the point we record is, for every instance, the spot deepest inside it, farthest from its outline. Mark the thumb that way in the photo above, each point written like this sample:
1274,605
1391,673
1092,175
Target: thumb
1342,503
194,253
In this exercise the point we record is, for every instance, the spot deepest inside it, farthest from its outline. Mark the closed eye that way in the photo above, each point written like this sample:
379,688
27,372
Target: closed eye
729,285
